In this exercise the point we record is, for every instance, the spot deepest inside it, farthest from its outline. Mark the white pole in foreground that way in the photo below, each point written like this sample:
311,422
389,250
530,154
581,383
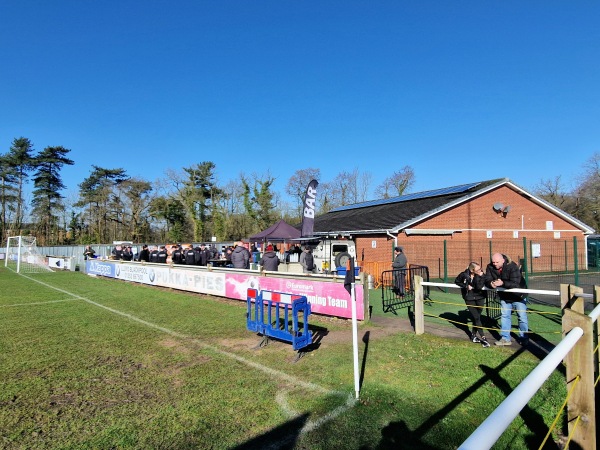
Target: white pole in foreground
355,340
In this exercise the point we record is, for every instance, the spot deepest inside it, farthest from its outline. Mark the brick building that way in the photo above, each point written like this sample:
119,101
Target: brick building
447,228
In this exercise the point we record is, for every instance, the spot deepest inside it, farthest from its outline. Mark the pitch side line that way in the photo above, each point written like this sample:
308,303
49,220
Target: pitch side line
309,426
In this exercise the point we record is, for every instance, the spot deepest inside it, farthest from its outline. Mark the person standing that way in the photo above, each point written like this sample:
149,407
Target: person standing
89,253
269,260
307,261
144,255
154,254
505,273
399,270
117,253
189,257
227,256
240,257
176,254
471,283
162,255
127,253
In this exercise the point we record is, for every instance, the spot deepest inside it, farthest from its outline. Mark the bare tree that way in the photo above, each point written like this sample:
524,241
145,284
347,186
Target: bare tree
587,194
397,184
552,191
296,186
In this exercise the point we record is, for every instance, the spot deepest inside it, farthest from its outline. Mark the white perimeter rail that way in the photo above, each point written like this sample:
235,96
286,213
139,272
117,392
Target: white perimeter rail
486,435
496,423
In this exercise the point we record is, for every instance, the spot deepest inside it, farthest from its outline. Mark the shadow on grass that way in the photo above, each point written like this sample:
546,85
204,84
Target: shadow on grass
538,346
460,320
282,437
365,339
396,434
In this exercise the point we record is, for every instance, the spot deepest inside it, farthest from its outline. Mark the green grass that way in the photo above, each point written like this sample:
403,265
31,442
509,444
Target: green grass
91,363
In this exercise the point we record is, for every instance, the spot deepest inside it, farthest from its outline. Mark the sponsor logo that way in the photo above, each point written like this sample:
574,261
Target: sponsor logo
100,269
151,275
293,286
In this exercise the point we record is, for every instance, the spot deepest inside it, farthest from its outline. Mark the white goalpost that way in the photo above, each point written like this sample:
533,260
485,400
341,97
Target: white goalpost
22,255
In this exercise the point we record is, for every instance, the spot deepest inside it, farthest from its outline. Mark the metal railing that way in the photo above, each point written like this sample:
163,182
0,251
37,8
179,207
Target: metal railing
576,349
398,287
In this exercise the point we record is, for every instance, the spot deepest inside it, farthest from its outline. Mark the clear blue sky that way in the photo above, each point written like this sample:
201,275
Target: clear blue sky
459,90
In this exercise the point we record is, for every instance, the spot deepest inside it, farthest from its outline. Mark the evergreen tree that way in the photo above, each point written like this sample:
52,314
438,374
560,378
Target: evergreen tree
8,195
47,200
259,202
20,161
97,194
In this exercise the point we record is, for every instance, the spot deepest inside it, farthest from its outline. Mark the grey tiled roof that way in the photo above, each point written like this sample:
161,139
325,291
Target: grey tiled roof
391,214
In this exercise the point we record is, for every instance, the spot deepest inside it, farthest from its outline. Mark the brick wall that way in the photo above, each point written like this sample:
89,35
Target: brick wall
477,219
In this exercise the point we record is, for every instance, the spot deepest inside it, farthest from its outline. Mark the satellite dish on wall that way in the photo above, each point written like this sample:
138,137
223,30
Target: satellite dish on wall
498,207
506,210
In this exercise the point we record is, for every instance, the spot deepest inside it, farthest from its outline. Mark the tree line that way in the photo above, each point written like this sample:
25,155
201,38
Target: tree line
190,205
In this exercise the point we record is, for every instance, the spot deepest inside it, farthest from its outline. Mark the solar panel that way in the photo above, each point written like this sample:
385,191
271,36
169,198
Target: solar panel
414,196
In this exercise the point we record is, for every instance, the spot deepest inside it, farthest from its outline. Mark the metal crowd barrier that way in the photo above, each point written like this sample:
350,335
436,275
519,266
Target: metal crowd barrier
269,314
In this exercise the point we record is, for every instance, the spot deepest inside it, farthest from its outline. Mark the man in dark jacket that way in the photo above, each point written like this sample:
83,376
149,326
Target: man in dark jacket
162,255
504,273
144,254
240,257
269,260
399,268
189,257
127,253
176,254
154,254
471,284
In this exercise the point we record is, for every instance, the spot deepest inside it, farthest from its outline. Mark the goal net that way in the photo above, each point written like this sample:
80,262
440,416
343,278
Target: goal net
22,255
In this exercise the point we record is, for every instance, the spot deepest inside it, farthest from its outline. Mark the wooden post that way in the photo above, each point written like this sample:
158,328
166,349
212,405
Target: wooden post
419,306
596,356
580,363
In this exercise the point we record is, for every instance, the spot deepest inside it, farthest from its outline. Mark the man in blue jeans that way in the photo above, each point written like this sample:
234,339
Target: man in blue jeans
502,272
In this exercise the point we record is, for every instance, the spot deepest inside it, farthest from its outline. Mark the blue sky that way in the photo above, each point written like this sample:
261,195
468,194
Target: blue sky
460,91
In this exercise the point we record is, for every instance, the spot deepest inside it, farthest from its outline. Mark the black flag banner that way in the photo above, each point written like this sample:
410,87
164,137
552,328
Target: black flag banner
308,214
350,277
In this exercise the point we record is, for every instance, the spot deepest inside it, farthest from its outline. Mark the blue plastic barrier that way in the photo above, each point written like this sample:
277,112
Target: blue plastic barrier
269,314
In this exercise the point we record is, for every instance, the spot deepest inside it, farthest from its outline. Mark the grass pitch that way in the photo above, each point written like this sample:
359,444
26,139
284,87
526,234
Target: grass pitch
92,363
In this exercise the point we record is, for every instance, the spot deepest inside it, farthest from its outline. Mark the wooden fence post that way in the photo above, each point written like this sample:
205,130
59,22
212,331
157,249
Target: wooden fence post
419,307
580,363
596,356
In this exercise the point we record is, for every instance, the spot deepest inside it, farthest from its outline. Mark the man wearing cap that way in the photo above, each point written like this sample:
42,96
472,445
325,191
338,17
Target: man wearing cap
269,260
399,267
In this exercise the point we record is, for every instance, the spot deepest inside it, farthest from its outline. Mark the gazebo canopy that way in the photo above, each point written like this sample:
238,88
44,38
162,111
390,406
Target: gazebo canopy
281,231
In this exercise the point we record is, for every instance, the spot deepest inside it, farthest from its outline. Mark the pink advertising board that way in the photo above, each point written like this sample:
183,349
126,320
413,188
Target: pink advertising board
326,298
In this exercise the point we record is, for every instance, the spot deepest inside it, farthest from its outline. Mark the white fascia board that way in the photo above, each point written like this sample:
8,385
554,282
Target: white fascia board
423,231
